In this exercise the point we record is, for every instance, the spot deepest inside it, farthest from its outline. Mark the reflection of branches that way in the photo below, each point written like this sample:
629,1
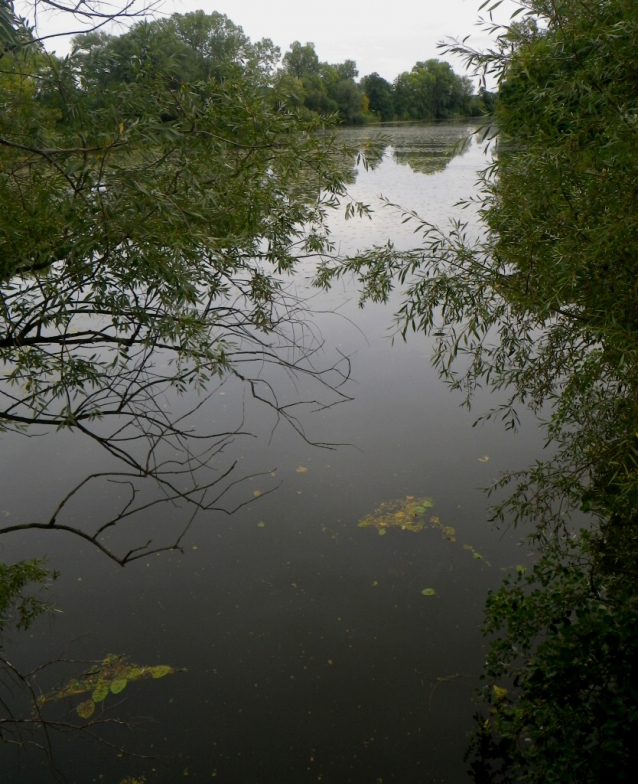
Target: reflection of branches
123,403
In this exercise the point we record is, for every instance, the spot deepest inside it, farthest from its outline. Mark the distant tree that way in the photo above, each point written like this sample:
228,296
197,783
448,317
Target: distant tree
301,60
431,90
380,96
327,89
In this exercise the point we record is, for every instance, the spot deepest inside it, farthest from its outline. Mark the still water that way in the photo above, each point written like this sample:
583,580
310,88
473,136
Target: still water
310,651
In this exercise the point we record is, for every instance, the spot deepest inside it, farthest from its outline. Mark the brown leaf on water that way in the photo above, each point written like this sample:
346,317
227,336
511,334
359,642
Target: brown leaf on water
86,709
301,470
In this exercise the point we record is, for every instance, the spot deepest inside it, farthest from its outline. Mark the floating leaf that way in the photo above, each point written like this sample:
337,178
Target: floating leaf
428,592
382,531
86,709
301,470
118,686
468,547
101,692
484,459
478,556
261,524
160,671
256,493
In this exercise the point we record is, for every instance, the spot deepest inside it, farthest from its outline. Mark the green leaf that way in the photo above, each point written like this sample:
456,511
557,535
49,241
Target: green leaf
100,692
161,670
428,592
118,686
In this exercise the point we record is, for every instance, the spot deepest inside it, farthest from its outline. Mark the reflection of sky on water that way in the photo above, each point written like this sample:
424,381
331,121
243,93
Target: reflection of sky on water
311,650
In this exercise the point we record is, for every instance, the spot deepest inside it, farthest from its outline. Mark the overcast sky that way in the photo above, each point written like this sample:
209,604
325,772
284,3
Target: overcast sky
386,36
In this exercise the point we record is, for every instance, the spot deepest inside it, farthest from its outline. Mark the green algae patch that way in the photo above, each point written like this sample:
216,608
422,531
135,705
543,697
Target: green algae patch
404,514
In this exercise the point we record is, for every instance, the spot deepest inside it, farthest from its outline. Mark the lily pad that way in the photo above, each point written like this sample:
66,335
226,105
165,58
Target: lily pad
161,670
118,686
86,709
100,692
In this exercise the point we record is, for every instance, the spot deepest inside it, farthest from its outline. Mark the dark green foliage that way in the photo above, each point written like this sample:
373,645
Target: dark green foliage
431,91
380,96
322,88
568,636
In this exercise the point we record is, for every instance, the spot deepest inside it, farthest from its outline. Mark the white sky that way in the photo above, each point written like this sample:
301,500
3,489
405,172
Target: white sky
387,36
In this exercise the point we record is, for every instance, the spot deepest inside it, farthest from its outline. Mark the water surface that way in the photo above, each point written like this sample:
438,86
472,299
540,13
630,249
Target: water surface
311,652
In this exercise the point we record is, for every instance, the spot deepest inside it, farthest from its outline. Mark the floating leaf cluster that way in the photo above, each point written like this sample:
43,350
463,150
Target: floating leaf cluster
108,676
408,514
411,514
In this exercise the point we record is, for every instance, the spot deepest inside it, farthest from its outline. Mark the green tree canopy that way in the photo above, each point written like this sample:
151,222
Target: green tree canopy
431,90
380,96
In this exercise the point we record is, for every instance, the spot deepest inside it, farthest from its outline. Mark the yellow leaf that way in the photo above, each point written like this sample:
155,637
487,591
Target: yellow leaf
302,470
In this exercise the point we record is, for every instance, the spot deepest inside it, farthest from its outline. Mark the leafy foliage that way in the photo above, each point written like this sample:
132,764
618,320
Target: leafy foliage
431,90
568,635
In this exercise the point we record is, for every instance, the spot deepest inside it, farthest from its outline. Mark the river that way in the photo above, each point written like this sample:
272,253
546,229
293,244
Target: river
310,651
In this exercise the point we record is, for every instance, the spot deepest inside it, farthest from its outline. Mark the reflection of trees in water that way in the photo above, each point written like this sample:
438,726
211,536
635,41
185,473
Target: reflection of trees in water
426,148
432,152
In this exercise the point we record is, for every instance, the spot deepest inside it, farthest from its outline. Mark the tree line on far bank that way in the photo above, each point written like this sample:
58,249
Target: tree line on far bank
197,47
430,91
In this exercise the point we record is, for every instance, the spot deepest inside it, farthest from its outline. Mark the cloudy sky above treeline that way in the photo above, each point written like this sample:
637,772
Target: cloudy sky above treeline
386,36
